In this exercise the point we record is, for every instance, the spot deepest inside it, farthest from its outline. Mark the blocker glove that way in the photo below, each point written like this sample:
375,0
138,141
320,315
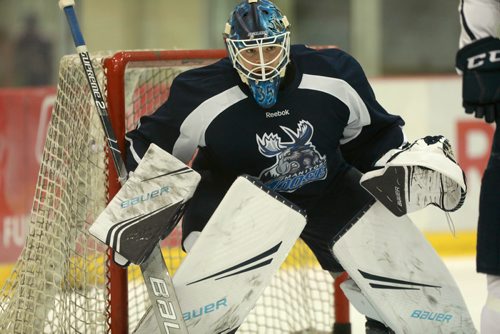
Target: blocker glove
479,63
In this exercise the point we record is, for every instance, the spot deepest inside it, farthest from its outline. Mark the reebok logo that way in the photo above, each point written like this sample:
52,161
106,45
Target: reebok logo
285,112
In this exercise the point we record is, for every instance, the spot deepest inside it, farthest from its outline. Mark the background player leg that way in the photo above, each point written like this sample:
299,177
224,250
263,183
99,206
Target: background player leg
488,237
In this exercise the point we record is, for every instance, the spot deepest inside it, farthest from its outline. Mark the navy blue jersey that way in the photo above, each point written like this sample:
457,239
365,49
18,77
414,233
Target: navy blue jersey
325,120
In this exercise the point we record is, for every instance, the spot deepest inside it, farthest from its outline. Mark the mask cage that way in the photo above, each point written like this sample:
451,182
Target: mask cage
262,69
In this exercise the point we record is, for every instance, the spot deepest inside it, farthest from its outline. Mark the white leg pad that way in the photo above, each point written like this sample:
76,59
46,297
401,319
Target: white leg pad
232,261
401,275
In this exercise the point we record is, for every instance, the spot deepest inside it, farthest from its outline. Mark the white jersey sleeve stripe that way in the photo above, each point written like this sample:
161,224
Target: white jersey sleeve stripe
340,89
192,130
132,150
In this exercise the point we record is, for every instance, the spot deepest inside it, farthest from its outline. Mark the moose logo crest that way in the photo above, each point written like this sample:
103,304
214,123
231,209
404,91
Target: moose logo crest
297,161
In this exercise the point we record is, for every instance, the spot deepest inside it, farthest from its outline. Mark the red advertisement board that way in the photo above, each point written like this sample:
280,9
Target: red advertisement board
24,116
469,155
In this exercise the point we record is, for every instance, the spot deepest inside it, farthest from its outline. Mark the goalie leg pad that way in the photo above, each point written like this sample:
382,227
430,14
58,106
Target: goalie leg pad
233,259
401,275
424,173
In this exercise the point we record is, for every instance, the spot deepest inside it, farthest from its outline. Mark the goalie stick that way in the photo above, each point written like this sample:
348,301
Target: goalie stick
156,277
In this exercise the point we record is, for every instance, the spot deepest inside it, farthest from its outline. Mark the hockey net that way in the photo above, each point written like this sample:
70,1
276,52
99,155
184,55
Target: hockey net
64,281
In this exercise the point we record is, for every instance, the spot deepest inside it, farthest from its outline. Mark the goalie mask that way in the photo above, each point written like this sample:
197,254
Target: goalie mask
257,38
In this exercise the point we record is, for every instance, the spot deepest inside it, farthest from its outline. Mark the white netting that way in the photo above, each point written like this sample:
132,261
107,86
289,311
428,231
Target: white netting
60,285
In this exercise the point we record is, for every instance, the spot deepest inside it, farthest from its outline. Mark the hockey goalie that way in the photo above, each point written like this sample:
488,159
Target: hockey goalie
396,278
327,163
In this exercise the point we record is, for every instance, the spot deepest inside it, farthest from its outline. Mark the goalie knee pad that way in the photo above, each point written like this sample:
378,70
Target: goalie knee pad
424,173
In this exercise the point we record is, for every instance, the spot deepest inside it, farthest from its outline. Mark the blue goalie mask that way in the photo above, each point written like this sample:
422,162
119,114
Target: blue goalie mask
257,37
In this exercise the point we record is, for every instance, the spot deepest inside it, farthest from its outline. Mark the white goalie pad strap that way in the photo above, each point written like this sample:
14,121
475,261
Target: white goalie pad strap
401,275
424,173
234,258
147,207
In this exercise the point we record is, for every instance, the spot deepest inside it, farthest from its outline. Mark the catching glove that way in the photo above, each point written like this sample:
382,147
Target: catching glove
479,63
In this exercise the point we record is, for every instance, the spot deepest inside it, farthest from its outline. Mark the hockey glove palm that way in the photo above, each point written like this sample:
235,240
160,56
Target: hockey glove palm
480,64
